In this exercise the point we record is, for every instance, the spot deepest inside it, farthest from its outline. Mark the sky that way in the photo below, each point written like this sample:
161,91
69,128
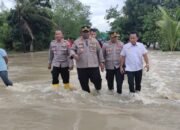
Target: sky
97,8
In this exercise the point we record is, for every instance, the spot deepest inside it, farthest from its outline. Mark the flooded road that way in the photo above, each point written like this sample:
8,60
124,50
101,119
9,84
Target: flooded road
31,104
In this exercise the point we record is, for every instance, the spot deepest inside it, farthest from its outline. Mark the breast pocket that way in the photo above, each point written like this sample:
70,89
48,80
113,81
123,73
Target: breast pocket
92,47
108,50
80,49
54,49
118,50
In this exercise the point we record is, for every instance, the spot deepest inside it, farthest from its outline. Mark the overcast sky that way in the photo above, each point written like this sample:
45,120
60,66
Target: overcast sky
98,10
97,7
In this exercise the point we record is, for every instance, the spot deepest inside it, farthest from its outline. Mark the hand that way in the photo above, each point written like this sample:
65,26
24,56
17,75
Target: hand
147,67
76,57
71,67
49,66
102,67
122,70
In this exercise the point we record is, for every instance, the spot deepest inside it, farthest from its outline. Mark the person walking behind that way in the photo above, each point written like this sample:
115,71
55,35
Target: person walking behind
111,52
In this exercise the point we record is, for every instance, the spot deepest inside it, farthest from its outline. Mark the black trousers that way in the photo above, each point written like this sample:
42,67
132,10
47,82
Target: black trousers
110,79
84,74
137,77
64,74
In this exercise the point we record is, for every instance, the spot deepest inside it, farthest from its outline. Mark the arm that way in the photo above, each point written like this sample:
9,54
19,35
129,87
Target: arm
6,59
4,55
104,51
100,57
146,59
51,56
145,56
122,60
73,52
70,60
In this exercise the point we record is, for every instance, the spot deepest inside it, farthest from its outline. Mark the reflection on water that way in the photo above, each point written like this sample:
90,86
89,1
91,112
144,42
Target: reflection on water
31,104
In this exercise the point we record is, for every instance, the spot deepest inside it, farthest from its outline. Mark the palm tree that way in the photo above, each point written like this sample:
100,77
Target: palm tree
25,11
170,29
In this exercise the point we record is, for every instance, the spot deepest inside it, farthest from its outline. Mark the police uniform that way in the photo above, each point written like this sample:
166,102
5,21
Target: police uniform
95,30
59,58
111,53
89,58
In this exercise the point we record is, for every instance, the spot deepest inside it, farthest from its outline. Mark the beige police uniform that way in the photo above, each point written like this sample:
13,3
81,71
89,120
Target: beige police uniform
90,56
111,53
59,58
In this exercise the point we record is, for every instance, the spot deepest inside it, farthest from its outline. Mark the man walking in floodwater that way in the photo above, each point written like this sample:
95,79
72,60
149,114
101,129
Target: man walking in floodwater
132,54
111,53
60,61
4,67
88,55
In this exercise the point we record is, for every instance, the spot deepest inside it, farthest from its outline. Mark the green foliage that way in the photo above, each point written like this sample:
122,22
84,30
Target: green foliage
30,25
28,21
170,30
4,29
70,15
151,32
141,16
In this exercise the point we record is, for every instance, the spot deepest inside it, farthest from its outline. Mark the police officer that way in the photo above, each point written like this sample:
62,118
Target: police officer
93,33
88,55
111,52
59,60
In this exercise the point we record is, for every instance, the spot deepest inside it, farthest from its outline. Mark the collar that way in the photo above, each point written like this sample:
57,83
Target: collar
110,42
134,44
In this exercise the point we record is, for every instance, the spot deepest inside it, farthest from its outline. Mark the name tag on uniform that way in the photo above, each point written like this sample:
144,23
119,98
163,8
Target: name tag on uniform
108,50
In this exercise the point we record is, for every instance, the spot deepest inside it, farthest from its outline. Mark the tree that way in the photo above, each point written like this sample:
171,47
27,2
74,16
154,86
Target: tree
151,31
140,16
30,17
70,15
170,30
4,29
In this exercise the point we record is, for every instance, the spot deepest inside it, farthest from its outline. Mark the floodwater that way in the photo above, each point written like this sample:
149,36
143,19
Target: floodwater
32,105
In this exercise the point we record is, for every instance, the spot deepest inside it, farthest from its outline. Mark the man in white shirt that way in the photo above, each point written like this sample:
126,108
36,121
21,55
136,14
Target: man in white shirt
132,54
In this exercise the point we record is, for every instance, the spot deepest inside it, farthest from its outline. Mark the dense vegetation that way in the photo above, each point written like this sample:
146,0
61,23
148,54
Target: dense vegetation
30,25
153,23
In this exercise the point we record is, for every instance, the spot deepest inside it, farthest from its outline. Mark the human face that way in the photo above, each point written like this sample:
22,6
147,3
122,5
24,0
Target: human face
114,39
133,38
93,34
58,35
85,34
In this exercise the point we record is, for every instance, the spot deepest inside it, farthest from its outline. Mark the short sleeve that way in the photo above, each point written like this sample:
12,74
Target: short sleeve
123,53
3,52
144,50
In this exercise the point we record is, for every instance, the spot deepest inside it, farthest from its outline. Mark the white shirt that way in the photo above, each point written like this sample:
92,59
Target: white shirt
133,56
